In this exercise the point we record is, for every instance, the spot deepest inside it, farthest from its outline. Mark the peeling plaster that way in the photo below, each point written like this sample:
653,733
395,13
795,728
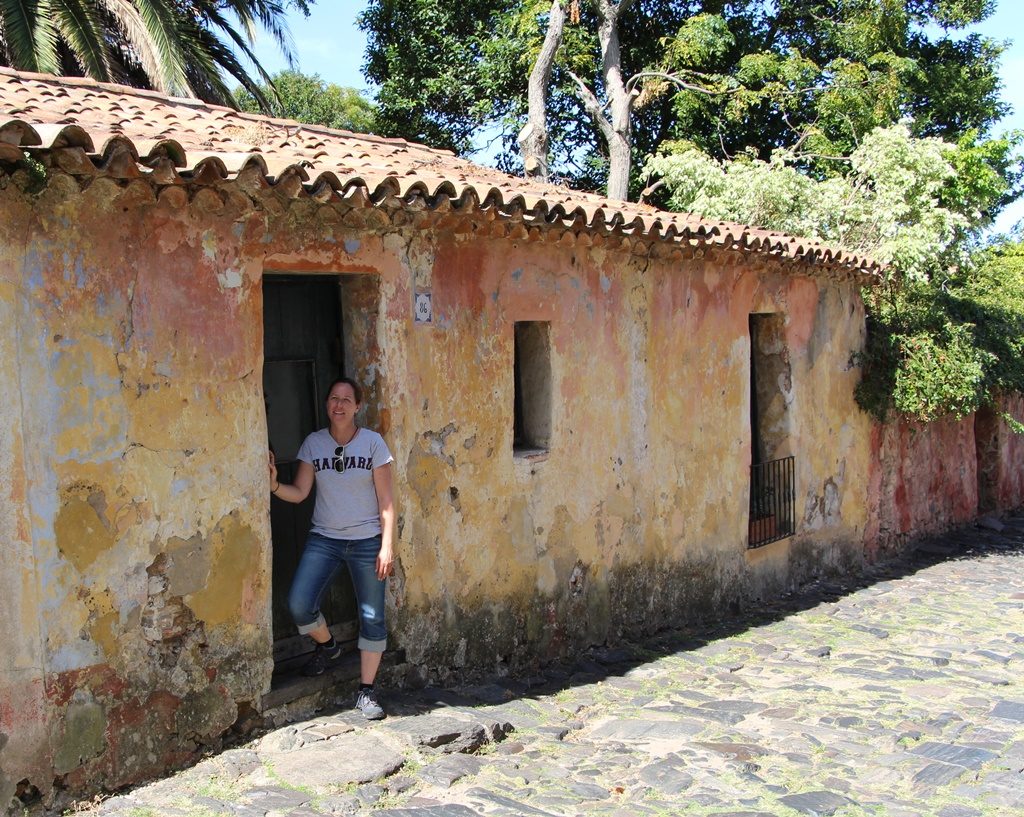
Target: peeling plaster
231,279
141,447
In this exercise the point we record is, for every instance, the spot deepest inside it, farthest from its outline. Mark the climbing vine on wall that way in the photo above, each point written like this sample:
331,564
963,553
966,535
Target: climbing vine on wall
937,348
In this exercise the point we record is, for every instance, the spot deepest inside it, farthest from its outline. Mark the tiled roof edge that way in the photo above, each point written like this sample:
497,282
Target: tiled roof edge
722,235
198,104
424,178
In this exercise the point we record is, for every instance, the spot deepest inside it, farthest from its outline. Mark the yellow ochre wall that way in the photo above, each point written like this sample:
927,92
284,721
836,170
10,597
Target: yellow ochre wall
134,603
638,514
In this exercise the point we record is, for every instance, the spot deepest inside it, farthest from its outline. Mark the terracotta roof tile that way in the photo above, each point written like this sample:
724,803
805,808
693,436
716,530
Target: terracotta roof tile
42,112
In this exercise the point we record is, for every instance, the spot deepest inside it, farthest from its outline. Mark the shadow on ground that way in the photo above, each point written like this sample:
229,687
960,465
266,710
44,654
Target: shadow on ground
603,663
599,663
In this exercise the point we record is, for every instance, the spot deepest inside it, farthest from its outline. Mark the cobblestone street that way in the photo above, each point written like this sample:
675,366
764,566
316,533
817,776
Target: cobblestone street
900,695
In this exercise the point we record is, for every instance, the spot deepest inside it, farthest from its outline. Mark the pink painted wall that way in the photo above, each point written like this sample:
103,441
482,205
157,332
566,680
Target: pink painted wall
1000,456
923,480
928,478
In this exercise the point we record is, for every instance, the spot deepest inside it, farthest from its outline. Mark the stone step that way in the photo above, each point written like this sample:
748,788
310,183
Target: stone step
289,687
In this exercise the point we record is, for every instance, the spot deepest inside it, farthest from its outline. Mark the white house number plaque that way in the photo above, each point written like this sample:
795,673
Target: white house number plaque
422,309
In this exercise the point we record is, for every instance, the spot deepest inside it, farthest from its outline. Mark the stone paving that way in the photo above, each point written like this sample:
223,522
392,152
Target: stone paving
899,695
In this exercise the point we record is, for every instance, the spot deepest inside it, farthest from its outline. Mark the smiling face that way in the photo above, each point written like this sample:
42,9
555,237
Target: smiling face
341,405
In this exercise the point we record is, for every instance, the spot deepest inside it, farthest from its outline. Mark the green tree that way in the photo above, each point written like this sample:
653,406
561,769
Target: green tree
432,63
937,349
946,327
180,47
309,99
911,203
726,76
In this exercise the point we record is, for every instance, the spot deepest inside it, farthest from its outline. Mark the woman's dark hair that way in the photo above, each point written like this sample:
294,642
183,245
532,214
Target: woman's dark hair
356,388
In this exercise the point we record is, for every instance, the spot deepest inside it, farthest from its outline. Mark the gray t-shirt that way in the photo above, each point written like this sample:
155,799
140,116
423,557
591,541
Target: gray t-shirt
346,501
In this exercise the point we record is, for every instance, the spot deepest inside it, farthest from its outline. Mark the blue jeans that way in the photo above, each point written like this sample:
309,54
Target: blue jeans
321,560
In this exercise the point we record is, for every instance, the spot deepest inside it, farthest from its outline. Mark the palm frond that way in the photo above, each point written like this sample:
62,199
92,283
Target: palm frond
269,13
228,63
155,26
137,41
18,21
243,12
80,27
187,47
272,17
45,39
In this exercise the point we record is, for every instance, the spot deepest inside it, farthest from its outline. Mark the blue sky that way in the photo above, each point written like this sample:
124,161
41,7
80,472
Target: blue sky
329,44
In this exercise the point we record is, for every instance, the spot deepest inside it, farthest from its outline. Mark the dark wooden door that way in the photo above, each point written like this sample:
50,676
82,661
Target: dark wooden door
302,355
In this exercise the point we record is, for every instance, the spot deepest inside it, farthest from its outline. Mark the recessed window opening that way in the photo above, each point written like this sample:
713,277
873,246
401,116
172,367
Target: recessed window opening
532,375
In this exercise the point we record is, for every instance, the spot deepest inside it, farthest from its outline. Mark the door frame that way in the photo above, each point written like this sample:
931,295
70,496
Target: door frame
345,629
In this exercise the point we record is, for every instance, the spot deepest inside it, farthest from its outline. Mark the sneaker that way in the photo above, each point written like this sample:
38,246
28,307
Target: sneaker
366,702
317,663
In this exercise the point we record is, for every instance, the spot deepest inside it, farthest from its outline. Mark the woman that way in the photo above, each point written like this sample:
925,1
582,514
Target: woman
353,524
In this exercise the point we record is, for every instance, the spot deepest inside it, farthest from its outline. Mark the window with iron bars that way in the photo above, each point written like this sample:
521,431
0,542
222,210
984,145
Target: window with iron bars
772,502
772,513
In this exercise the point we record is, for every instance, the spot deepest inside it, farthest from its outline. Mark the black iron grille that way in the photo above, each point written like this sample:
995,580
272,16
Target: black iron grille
772,501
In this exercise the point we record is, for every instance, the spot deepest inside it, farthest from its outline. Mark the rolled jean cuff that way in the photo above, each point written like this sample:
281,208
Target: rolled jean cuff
306,629
372,646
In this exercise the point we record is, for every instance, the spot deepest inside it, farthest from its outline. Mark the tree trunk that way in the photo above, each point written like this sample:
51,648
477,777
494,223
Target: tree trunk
533,138
620,100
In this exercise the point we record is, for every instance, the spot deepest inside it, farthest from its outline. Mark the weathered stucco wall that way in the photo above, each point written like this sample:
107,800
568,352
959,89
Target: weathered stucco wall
1000,456
138,506
637,514
928,478
924,480
23,715
137,519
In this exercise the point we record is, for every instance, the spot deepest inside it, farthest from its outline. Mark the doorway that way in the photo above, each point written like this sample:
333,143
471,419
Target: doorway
303,353
772,507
